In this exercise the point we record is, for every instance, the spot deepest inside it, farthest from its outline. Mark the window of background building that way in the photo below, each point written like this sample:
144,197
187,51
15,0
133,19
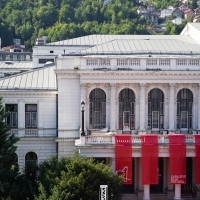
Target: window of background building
31,115
43,61
11,119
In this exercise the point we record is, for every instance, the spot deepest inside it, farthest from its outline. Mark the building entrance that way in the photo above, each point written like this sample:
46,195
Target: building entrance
159,187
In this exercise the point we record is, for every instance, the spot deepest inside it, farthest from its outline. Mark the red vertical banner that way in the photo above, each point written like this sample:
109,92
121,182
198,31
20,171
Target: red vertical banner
149,159
177,148
123,157
197,148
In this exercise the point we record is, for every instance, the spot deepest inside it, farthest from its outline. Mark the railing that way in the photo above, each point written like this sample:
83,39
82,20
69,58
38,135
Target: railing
31,132
13,131
136,139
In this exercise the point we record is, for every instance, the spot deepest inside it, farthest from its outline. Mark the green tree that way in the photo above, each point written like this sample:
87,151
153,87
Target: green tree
8,165
76,178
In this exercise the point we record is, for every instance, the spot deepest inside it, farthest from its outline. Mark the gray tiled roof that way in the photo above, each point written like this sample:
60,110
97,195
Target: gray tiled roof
16,65
139,46
42,78
92,40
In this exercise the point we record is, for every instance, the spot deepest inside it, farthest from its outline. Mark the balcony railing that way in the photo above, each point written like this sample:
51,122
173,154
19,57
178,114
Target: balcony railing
136,140
31,132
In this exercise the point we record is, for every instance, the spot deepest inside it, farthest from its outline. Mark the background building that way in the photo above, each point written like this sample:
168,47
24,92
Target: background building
131,84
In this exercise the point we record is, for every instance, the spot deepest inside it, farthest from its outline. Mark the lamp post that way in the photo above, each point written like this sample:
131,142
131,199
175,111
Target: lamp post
82,110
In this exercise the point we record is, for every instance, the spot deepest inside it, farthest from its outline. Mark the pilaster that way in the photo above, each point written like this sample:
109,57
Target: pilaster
142,107
171,107
112,107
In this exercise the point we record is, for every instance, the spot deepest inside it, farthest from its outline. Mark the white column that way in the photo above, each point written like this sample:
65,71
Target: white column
171,107
83,98
142,106
146,192
166,114
40,117
177,192
112,107
198,108
21,117
137,112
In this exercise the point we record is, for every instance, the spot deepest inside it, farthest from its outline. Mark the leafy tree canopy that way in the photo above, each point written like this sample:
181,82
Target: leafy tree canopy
72,178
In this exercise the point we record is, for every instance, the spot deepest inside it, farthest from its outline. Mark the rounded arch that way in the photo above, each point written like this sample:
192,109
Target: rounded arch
156,109
126,112
156,94
31,159
134,89
97,109
93,87
190,88
162,88
184,112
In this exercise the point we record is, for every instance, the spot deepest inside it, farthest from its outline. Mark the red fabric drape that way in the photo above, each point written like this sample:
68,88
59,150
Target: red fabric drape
177,159
197,145
149,159
123,156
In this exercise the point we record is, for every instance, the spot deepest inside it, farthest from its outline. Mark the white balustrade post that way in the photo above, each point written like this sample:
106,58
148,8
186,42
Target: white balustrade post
177,192
146,192
171,107
112,107
142,106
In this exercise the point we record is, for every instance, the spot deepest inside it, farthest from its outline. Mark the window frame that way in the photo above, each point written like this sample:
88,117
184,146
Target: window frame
33,119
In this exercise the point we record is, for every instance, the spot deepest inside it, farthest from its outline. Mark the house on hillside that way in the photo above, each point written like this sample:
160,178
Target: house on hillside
141,10
151,8
189,13
165,13
196,19
177,12
177,20
152,18
197,11
171,8
183,8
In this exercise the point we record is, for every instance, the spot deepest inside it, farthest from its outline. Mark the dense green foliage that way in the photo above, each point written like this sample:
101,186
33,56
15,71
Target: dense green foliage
62,19
76,178
13,184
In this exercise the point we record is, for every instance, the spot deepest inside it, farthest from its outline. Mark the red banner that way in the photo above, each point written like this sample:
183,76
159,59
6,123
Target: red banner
177,159
123,157
197,145
149,159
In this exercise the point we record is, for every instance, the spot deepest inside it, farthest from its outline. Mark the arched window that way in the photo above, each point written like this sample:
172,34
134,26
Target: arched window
184,109
30,160
156,109
97,112
126,114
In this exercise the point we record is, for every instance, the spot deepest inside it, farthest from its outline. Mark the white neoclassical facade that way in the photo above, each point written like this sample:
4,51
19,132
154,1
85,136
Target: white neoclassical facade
130,84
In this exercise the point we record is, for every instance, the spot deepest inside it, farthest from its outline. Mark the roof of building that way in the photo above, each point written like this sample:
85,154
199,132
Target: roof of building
92,40
143,46
196,25
16,65
42,78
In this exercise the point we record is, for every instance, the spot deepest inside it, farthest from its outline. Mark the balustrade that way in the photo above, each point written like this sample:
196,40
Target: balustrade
136,139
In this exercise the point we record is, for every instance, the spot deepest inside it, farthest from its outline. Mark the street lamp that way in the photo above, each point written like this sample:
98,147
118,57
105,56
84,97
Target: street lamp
82,110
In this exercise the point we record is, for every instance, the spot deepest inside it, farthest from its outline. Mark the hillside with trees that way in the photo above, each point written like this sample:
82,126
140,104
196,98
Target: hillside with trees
62,19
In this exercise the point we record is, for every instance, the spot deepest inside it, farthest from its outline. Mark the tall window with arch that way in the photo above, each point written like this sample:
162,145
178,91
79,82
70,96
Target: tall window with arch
97,109
184,109
156,109
31,160
126,111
